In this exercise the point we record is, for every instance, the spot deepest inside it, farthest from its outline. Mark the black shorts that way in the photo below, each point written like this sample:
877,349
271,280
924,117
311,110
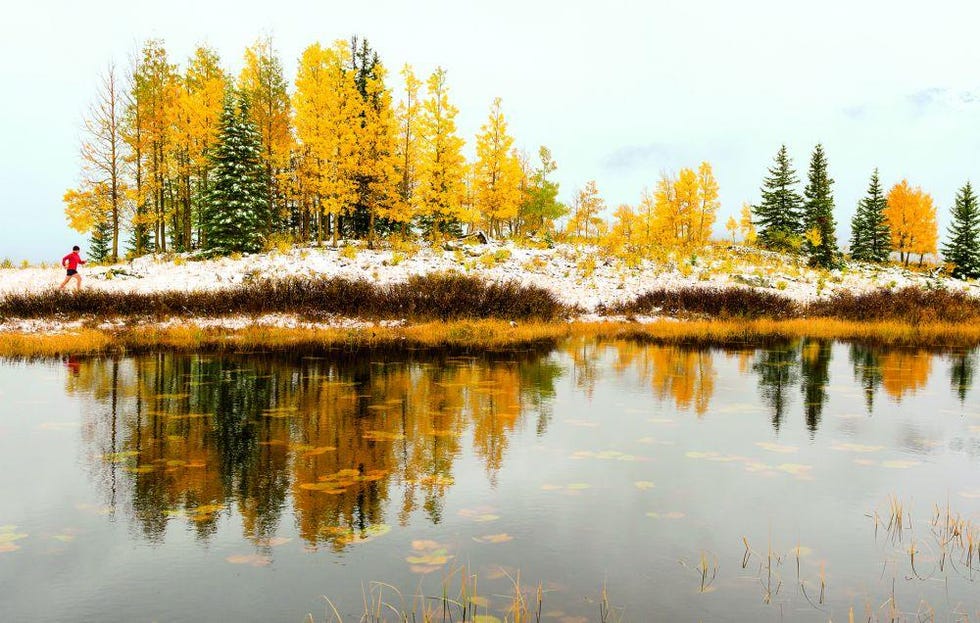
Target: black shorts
72,271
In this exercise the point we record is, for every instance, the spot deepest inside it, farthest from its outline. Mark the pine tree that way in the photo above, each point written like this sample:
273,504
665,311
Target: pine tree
100,246
963,250
818,213
780,213
236,207
870,238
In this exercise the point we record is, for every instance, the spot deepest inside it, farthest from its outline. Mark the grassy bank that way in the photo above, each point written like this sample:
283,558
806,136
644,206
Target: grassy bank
459,311
481,335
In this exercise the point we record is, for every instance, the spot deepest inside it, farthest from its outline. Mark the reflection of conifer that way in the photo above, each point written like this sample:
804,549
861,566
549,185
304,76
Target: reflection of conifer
777,367
867,372
961,373
815,373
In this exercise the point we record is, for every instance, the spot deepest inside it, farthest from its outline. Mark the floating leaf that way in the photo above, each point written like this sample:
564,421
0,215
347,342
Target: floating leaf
606,455
64,538
583,423
900,464
485,618
436,480
318,451
119,457
775,447
254,560
668,515
428,554
855,447
142,469
480,514
796,469
865,462
382,435
801,551
579,486
643,485
494,538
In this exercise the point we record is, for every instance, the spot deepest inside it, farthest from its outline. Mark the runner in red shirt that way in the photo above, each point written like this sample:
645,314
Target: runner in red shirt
71,262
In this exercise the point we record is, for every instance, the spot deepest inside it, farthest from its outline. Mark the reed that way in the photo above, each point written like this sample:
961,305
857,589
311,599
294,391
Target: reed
480,334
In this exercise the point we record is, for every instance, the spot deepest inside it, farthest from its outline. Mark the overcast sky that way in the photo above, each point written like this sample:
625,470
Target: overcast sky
620,91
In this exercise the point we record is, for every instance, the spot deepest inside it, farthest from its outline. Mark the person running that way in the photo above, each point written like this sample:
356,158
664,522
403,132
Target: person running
71,262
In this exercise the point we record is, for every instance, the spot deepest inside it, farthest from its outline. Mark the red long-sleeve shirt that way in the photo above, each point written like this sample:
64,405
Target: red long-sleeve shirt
72,260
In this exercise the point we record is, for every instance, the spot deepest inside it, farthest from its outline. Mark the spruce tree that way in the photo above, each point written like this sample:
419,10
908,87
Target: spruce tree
100,243
820,238
870,239
779,215
236,204
963,250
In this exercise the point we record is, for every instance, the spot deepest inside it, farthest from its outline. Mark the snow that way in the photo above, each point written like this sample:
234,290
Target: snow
562,269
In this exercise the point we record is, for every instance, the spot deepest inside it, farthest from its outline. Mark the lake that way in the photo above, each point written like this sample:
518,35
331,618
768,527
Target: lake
629,481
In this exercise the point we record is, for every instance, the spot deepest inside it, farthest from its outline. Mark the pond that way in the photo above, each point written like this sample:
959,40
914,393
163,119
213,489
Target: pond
799,481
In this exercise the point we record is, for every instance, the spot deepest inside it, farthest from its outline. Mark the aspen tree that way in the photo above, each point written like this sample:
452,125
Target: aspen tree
101,196
441,189
497,172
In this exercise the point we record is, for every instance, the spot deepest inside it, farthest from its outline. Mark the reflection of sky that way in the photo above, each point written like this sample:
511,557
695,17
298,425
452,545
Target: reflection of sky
619,90
568,498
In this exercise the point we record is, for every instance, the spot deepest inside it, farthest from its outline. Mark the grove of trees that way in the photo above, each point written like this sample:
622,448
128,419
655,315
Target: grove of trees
185,158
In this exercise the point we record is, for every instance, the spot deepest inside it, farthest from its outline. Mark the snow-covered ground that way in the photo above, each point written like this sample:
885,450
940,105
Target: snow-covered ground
580,276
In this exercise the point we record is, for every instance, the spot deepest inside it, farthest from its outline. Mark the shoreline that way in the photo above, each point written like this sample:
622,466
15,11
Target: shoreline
186,335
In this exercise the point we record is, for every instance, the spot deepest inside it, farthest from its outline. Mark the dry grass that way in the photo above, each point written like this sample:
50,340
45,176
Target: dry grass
426,297
479,335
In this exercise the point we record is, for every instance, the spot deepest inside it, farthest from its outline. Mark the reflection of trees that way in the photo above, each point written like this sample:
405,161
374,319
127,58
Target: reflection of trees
814,375
187,436
684,374
867,371
777,367
962,368
904,371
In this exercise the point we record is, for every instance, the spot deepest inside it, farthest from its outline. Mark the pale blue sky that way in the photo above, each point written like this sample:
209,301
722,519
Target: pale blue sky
620,91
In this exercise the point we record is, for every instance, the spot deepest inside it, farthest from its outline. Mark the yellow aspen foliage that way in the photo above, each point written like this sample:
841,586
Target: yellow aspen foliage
745,225
646,216
625,238
685,207
408,117
441,191
328,111
704,215
497,173
84,207
586,224
732,226
378,157
263,81
911,218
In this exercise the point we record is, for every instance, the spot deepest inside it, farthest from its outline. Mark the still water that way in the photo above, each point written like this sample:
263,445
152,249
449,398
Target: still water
787,483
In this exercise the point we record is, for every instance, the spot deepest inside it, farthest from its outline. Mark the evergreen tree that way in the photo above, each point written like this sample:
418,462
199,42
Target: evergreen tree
780,213
870,238
236,206
963,250
100,247
818,215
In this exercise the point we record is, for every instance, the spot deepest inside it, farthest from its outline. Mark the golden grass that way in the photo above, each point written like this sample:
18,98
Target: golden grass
480,335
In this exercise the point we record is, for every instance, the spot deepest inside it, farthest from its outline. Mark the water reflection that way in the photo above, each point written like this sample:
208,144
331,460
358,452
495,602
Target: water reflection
189,436
349,442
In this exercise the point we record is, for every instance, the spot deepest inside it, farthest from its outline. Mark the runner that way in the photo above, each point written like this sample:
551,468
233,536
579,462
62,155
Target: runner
71,262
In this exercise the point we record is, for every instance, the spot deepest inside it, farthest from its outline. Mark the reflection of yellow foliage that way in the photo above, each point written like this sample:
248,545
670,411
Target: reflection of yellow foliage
904,371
